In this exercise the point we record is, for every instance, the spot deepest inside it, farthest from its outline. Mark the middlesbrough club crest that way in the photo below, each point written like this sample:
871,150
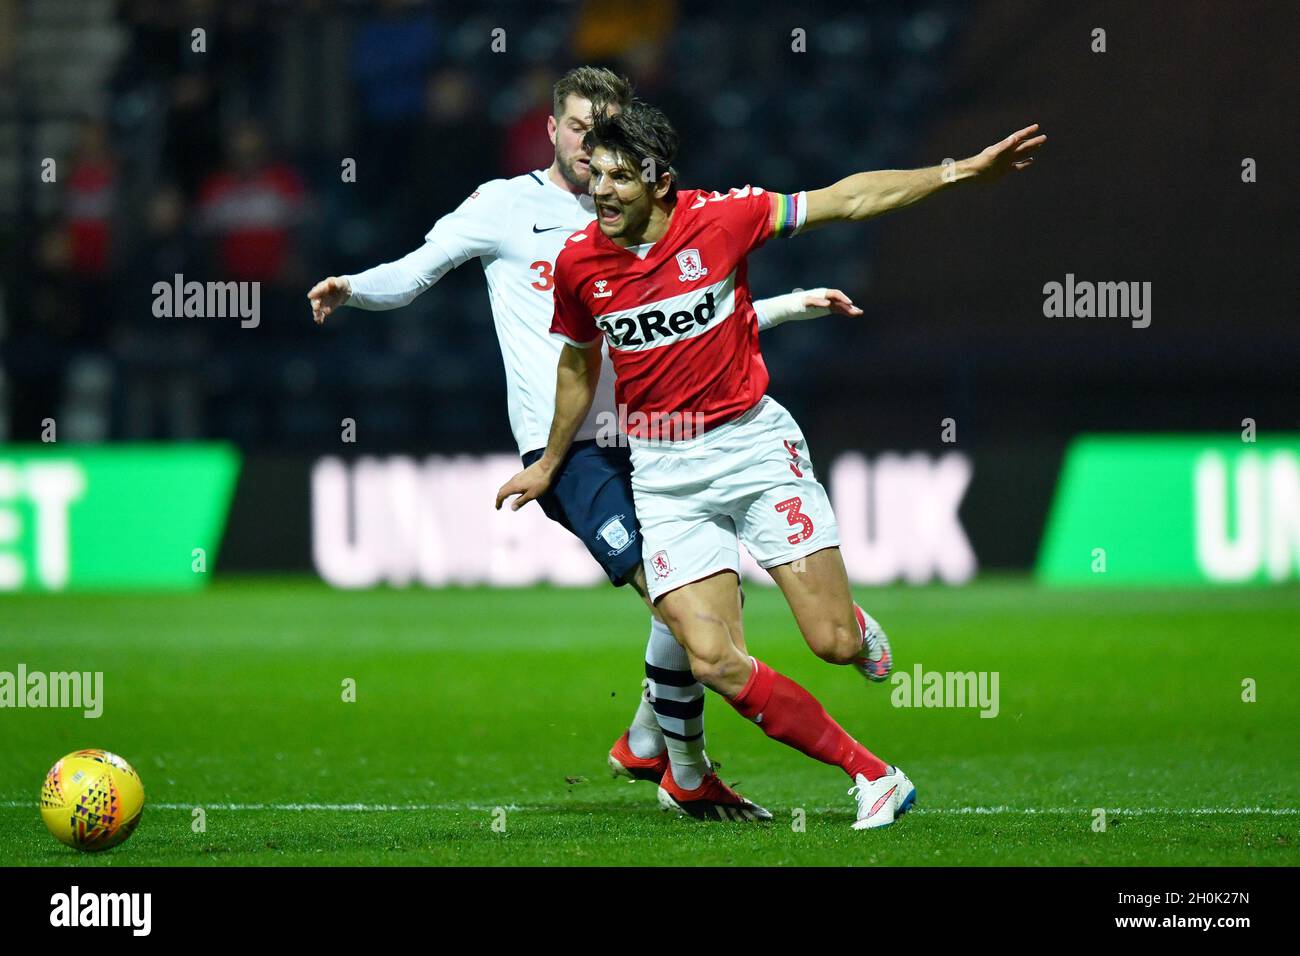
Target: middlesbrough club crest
688,260
659,561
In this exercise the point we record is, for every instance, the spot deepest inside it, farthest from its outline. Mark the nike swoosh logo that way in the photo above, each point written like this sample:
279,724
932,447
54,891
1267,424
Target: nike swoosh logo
875,807
547,229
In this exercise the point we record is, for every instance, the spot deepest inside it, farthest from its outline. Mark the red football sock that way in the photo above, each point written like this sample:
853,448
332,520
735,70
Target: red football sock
786,712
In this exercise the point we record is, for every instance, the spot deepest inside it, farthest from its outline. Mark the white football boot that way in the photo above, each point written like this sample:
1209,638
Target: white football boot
876,660
883,800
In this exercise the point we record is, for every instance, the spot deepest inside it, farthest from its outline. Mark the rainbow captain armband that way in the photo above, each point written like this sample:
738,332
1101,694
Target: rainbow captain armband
788,213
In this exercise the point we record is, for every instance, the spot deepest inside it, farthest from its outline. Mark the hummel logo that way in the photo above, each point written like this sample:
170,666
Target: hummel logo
547,229
601,292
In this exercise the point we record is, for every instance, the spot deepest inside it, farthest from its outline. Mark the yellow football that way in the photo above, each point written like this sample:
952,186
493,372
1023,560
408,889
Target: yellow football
92,800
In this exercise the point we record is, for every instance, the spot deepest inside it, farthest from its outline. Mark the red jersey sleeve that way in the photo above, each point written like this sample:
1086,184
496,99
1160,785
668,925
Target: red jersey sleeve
572,321
752,215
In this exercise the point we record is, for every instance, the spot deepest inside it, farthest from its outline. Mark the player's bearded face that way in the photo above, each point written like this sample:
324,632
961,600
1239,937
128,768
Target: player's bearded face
623,199
573,161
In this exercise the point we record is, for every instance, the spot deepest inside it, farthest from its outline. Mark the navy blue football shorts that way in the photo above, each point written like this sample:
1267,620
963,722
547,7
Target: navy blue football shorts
592,497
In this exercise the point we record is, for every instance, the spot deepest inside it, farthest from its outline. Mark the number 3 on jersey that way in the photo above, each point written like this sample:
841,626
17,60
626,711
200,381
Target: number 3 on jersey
796,519
545,278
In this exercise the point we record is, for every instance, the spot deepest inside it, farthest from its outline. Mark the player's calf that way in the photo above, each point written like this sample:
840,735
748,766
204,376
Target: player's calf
676,701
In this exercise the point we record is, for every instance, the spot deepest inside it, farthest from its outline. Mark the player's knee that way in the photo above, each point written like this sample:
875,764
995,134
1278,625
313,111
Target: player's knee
717,664
711,643
667,613
725,673
836,642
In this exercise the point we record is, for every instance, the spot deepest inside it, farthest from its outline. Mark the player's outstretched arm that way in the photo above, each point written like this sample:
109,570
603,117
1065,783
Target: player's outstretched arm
867,195
801,305
473,229
576,377
387,286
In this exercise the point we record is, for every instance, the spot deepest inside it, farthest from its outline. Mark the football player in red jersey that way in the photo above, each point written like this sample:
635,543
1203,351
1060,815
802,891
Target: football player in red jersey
661,274
515,227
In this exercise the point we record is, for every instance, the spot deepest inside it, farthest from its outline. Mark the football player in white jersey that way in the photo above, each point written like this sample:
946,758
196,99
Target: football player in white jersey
516,228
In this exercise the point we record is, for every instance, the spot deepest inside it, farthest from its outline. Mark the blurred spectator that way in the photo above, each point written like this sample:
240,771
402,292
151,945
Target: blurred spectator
193,132
656,81
606,28
165,248
160,358
451,147
164,67
526,146
392,53
10,14
88,204
75,252
252,206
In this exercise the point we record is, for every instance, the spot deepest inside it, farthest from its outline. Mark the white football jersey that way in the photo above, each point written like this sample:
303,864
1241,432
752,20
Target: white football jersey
515,227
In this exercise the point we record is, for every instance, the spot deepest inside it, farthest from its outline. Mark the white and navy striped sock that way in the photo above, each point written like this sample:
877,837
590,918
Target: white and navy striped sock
644,738
678,701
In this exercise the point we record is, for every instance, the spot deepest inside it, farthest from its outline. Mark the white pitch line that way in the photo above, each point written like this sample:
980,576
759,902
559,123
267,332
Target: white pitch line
487,808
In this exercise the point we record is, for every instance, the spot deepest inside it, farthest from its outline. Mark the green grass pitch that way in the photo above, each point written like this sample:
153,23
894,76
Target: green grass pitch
472,700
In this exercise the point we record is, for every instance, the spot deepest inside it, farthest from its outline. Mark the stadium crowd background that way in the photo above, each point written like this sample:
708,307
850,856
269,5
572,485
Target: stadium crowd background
226,165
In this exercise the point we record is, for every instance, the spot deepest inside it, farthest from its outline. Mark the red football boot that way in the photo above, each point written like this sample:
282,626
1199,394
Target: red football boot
624,763
711,800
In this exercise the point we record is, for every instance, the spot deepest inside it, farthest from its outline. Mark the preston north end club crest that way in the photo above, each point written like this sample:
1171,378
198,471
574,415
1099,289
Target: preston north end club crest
615,534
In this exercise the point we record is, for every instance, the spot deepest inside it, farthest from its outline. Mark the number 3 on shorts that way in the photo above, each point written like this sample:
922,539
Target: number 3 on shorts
796,518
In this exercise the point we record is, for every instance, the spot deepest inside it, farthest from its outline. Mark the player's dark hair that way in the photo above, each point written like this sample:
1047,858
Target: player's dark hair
641,136
604,88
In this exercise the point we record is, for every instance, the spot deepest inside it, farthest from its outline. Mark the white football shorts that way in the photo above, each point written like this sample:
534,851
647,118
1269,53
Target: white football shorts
748,480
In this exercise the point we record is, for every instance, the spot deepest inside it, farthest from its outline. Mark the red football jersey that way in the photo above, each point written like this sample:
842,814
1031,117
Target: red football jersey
677,313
